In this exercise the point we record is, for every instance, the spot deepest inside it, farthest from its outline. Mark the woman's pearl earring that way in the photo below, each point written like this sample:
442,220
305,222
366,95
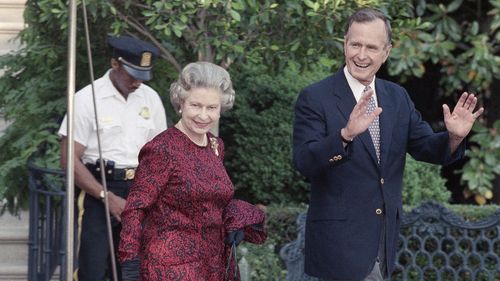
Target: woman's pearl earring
180,111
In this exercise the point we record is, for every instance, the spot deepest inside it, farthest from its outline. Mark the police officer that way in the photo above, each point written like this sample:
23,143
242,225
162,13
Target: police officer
129,114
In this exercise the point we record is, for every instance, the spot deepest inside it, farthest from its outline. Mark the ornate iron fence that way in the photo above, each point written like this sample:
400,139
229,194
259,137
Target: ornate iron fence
47,229
435,245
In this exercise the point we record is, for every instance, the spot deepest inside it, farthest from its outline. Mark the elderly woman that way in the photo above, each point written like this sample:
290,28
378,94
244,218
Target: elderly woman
180,209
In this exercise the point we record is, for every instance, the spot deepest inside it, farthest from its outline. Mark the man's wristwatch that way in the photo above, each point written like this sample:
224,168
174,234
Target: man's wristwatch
102,195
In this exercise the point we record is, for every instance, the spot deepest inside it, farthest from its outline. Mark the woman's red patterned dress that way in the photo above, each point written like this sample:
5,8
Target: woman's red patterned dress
173,220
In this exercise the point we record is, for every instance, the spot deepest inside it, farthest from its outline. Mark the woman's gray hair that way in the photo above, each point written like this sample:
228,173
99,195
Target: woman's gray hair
202,75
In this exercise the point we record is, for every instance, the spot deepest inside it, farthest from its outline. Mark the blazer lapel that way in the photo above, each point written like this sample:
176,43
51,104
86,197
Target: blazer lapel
386,119
345,104
342,91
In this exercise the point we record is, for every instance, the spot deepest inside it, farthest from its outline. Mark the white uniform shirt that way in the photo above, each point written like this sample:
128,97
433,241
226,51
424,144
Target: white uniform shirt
357,88
125,125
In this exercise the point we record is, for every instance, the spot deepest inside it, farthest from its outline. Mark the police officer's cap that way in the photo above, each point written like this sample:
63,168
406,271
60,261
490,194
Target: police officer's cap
135,55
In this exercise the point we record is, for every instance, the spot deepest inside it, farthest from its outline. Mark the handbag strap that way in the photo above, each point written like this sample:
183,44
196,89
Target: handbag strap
232,256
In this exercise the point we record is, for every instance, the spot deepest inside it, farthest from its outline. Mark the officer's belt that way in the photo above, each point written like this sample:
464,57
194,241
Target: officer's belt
112,174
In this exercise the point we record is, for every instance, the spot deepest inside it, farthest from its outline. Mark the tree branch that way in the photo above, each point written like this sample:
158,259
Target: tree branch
142,30
135,4
206,54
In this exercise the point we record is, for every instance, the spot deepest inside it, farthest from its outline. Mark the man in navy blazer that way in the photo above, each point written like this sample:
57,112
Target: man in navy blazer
353,153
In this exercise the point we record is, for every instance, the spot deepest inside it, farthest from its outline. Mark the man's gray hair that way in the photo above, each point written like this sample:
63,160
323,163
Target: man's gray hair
202,75
369,15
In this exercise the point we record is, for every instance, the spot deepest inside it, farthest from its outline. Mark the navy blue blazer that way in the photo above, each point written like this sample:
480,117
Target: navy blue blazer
350,192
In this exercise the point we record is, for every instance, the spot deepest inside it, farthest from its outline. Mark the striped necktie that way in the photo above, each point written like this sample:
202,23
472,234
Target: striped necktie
374,128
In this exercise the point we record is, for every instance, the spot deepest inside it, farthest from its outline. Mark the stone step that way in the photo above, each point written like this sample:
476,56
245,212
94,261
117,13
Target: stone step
14,246
8,42
13,272
12,10
11,22
10,27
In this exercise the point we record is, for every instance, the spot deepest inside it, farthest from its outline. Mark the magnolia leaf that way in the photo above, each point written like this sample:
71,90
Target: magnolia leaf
454,6
235,15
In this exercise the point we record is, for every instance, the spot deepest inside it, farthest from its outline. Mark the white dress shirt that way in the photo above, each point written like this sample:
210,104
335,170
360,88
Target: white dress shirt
357,88
125,125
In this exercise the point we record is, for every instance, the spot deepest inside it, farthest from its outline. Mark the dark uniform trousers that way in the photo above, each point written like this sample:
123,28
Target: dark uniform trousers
94,261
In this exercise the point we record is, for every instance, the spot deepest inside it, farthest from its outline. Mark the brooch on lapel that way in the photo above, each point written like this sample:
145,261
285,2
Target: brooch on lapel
214,144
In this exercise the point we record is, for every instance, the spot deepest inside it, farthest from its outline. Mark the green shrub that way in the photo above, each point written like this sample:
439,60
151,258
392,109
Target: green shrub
258,133
423,181
471,212
264,260
484,161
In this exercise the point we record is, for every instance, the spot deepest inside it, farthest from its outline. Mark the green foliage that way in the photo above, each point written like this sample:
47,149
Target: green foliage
473,213
227,32
33,90
423,181
484,160
258,133
264,260
189,30
32,94
456,36
460,37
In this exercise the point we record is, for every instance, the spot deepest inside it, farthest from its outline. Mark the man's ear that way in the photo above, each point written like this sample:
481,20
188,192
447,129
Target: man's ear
387,51
114,63
345,43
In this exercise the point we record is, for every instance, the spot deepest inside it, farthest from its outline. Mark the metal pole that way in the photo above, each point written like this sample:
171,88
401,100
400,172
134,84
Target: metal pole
70,180
101,161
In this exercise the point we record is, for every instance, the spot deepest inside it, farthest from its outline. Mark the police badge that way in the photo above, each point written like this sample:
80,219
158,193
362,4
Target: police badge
144,113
